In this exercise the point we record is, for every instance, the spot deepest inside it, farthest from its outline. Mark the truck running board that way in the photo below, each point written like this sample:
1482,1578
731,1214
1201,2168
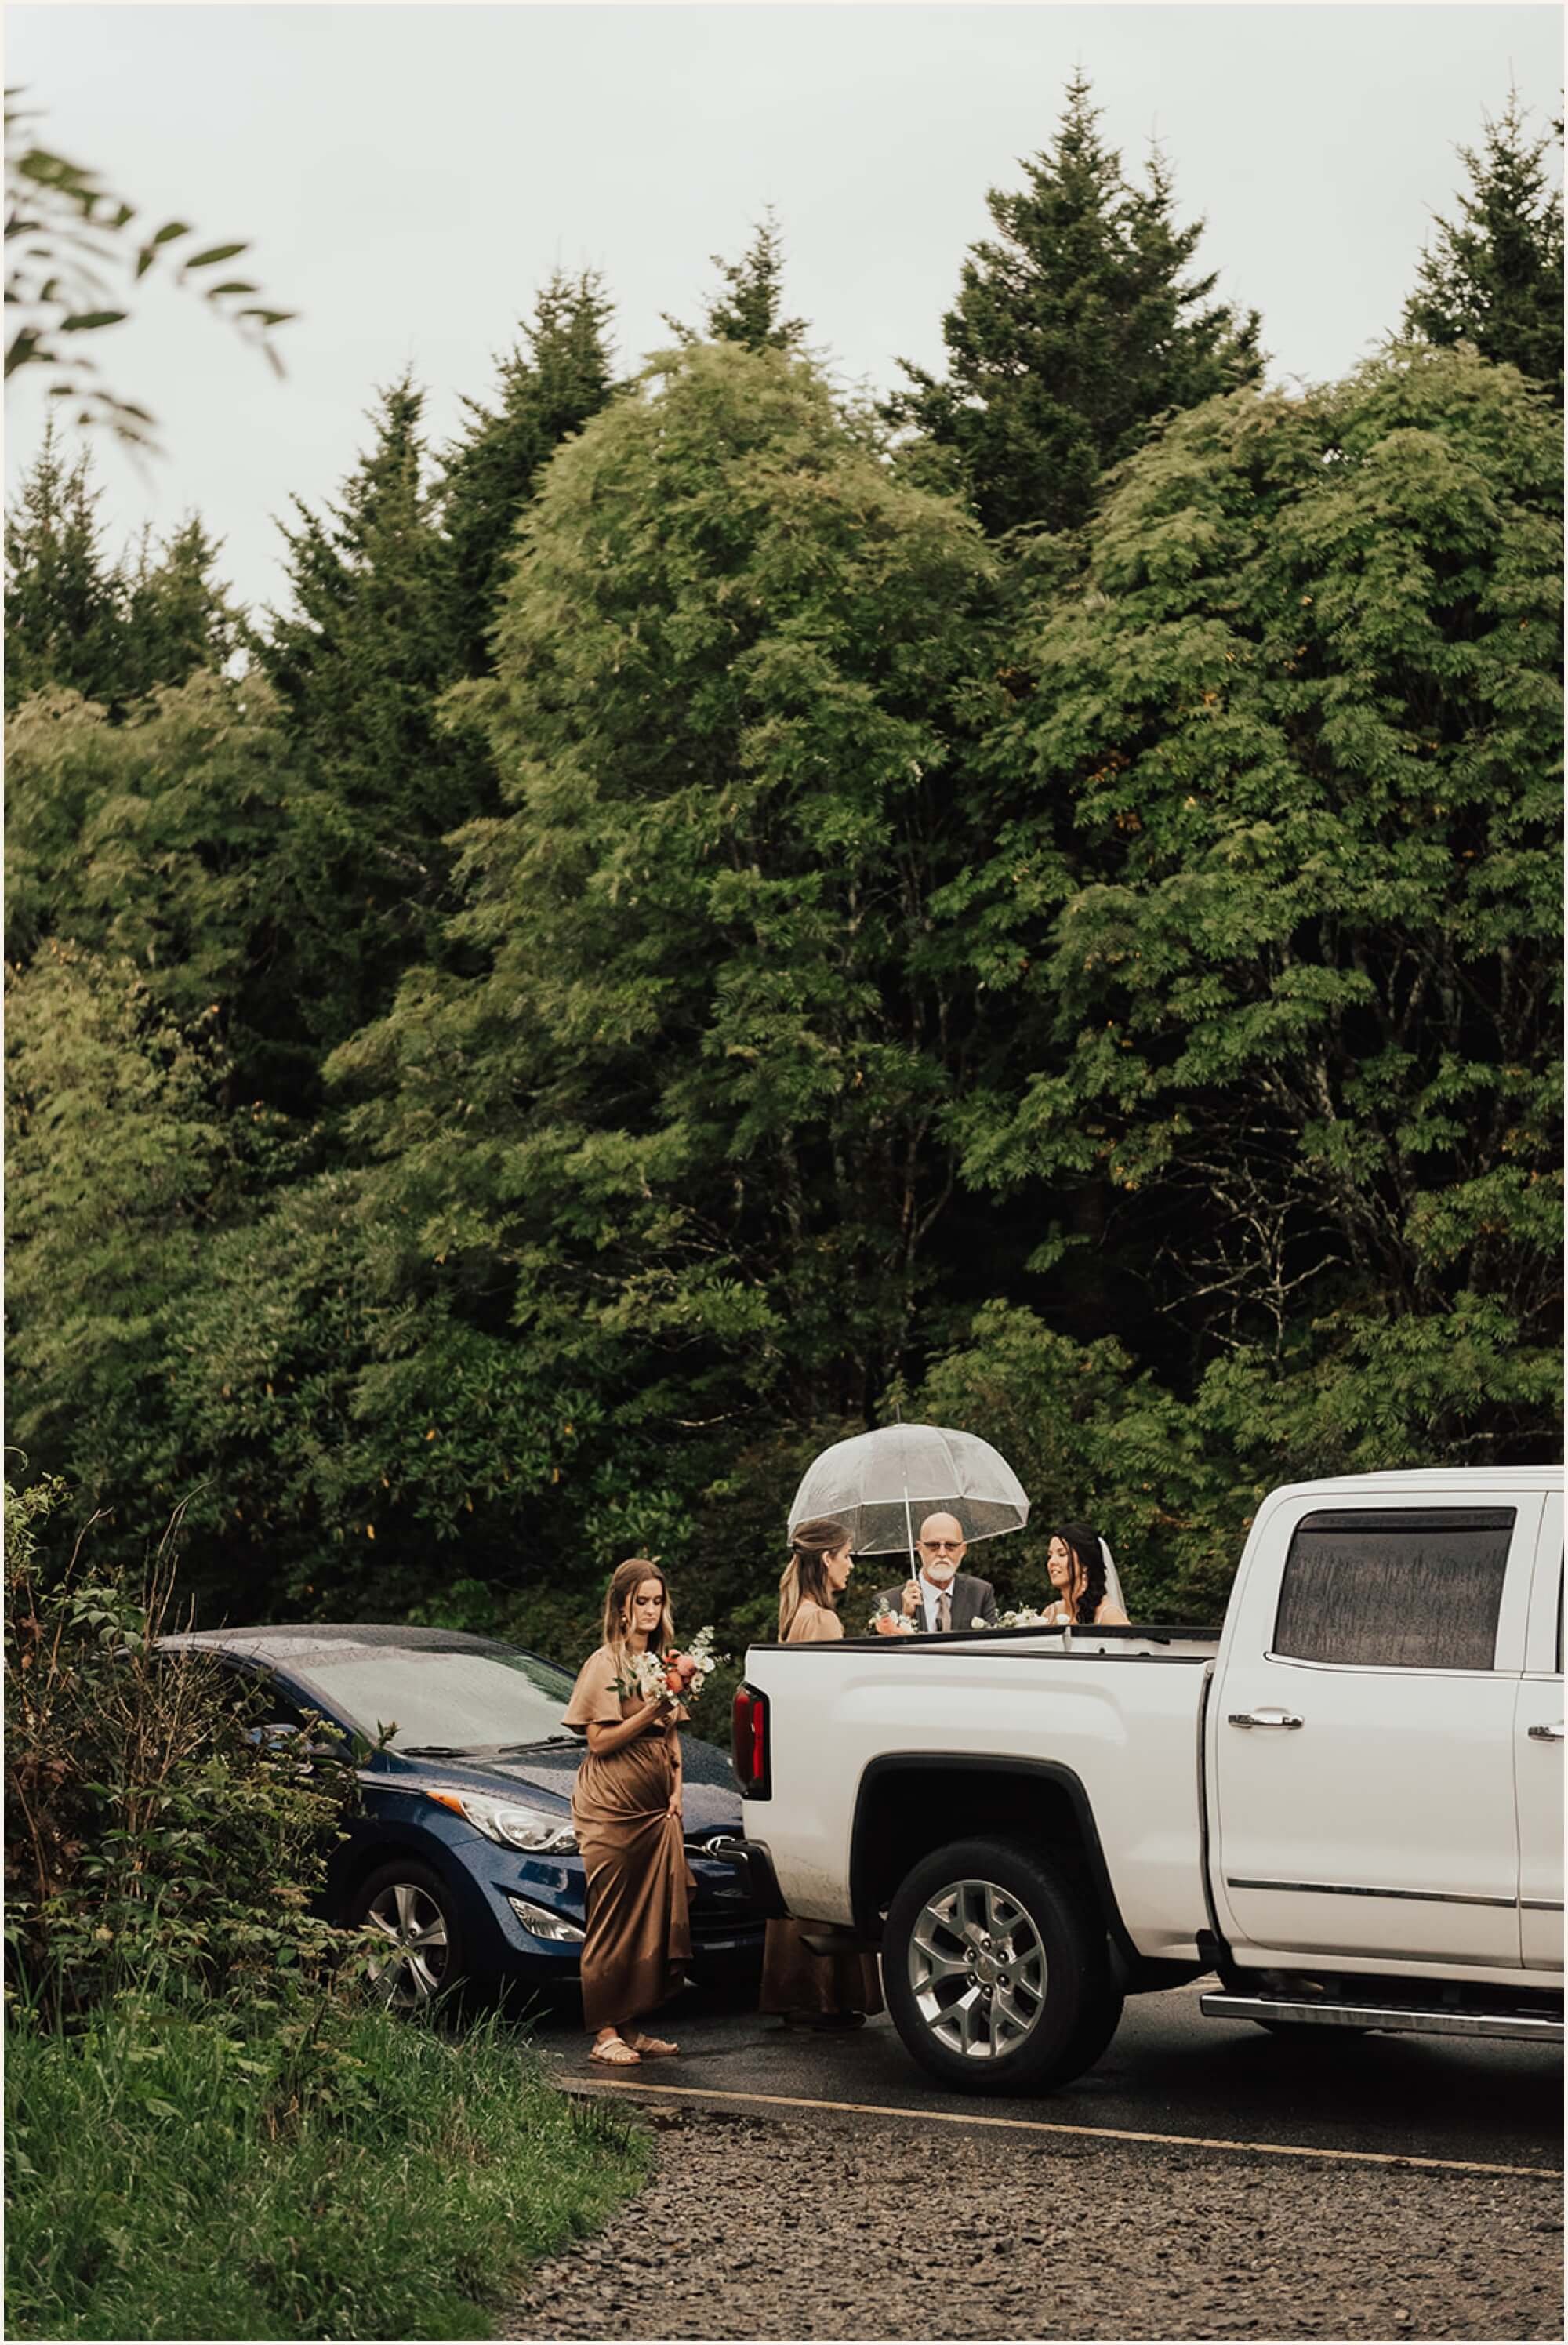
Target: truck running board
1387,2018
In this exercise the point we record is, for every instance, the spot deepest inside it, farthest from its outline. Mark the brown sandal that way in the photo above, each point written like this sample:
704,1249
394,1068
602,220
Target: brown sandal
615,2053
652,2047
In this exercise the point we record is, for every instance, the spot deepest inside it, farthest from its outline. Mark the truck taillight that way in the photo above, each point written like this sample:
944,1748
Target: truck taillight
749,1742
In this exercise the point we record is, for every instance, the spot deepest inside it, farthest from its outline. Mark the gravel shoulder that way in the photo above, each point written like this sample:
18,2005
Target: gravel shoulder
753,2227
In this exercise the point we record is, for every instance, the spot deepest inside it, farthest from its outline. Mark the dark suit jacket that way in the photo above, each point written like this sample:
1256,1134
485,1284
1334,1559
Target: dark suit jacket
971,1599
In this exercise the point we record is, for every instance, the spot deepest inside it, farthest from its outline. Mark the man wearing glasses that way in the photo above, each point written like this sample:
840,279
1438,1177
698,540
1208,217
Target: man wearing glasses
943,1595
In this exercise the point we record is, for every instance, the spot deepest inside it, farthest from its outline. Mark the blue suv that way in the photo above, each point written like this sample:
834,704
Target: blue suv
463,1857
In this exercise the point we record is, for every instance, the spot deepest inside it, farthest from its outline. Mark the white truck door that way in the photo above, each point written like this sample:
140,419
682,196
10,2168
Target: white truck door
1538,1756
1363,1734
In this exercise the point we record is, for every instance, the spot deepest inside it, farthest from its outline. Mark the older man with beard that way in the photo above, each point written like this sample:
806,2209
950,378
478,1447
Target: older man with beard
943,1595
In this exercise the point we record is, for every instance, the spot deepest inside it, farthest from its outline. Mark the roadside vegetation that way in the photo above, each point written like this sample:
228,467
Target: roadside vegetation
716,909
212,2129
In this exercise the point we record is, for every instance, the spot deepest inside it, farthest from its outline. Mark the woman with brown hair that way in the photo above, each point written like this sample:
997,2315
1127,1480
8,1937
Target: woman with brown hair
807,1989
626,1810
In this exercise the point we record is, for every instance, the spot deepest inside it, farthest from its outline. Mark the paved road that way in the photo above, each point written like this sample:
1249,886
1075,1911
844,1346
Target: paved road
1169,2072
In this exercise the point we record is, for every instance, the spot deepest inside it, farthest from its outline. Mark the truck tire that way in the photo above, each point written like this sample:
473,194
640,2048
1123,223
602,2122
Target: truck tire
995,1967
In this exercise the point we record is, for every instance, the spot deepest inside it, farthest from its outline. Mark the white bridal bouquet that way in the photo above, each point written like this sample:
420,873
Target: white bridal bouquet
885,1622
678,1675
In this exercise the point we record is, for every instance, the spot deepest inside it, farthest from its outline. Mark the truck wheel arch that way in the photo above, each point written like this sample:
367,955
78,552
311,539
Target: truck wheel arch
884,1847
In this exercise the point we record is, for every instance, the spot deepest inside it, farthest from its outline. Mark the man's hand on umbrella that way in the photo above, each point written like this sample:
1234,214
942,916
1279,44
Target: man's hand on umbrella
911,1598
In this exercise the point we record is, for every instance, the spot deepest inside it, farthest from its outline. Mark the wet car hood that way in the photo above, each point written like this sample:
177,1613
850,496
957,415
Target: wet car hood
711,1801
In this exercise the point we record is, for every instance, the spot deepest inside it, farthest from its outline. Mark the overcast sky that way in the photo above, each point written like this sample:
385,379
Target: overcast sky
409,174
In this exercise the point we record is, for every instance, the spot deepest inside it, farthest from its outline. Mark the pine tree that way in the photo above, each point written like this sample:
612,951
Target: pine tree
177,616
361,664
63,599
749,307
550,386
1494,277
1073,332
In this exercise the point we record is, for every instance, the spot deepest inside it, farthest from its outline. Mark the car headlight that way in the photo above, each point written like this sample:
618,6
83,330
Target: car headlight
540,1923
505,1820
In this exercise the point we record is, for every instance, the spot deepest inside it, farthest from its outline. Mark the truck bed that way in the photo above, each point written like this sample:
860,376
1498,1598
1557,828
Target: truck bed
1126,1703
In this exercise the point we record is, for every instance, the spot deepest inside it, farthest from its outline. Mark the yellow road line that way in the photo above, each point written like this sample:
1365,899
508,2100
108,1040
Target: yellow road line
1040,2124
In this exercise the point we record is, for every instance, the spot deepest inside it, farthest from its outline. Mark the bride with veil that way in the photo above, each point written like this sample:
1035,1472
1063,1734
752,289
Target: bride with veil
1084,1580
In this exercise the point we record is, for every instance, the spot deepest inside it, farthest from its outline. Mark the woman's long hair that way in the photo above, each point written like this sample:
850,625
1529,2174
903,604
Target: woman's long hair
804,1577
1088,1564
624,1582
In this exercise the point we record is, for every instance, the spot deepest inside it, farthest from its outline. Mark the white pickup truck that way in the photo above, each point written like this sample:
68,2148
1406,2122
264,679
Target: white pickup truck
1347,1804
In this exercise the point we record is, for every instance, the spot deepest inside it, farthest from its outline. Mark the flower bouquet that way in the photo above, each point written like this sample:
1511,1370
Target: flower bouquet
669,1677
885,1622
1022,1619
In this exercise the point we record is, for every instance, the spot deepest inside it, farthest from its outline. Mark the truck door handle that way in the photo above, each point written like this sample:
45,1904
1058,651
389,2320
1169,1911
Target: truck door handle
1286,1717
1547,1733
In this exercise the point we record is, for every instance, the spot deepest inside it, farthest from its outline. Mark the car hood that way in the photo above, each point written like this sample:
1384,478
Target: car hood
710,1800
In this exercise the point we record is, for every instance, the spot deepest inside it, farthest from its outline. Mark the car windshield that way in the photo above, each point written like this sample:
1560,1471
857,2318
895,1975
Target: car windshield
450,1701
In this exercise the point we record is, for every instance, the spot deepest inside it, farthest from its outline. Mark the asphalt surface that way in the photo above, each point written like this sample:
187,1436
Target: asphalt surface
1168,2071
1204,2180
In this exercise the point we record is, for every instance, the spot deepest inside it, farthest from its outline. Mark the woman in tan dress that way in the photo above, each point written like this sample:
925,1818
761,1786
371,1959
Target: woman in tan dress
810,1989
626,1810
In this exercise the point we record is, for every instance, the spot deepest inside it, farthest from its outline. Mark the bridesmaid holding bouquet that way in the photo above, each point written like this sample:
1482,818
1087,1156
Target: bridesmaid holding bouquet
626,1810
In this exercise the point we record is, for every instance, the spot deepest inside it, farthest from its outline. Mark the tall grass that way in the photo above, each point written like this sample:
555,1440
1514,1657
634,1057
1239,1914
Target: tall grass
180,2172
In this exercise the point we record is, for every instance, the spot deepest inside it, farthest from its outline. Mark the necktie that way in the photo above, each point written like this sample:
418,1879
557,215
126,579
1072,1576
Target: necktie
945,1611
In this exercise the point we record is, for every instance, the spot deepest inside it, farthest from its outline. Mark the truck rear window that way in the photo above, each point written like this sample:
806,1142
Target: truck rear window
1395,1589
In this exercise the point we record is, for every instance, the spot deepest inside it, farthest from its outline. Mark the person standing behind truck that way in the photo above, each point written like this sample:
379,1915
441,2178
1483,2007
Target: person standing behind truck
803,1988
943,1596
1076,1560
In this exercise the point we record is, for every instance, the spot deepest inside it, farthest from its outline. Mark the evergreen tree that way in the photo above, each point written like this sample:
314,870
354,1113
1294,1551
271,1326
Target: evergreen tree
749,306
1073,332
359,665
550,386
63,599
178,615
1494,276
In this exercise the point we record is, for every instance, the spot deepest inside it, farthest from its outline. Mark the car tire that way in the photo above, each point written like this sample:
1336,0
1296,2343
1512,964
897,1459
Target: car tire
996,1969
410,1907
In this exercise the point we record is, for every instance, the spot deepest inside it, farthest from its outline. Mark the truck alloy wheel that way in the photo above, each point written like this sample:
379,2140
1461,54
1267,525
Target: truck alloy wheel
995,1969
414,1937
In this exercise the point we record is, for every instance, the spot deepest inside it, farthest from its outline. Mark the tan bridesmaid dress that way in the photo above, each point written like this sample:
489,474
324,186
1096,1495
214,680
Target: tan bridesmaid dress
822,1986
639,1938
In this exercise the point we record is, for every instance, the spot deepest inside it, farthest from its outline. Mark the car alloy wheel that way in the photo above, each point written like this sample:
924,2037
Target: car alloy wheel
414,1966
978,1970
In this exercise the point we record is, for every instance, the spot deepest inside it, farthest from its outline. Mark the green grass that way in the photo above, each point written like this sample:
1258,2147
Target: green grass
177,2174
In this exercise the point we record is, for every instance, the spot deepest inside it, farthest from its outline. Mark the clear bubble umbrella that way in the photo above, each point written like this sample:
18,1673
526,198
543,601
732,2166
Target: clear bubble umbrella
884,1483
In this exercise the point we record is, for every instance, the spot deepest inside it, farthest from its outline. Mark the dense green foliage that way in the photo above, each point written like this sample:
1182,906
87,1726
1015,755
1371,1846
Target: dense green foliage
691,932
208,2125
1073,332
109,631
1493,277
152,1847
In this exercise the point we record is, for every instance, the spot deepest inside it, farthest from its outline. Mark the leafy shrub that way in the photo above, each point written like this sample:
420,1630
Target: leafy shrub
150,1840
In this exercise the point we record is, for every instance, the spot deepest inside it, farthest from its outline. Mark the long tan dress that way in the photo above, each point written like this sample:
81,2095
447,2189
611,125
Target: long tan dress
639,1938
793,1978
